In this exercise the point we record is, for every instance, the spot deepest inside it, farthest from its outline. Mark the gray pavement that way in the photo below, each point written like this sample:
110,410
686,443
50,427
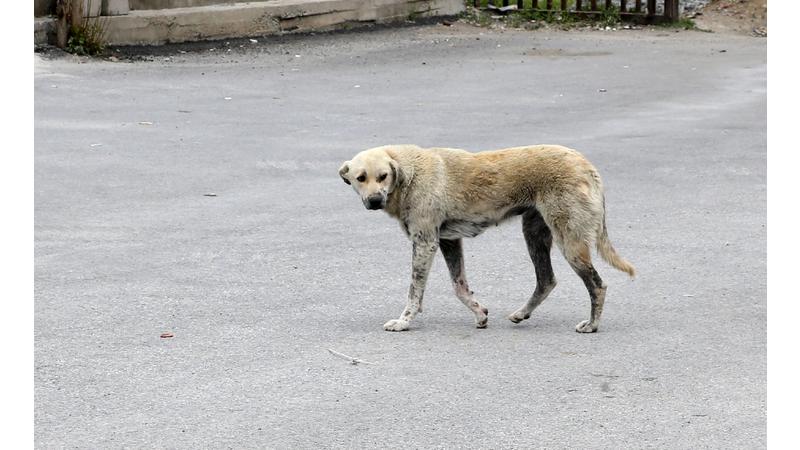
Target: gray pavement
284,263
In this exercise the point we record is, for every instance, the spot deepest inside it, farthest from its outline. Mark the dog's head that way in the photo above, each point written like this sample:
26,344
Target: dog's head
374,174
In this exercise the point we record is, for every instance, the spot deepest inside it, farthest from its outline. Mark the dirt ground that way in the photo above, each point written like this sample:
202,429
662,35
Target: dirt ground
733,16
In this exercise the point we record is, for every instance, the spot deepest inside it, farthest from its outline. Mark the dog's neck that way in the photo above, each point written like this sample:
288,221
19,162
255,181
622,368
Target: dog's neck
393,202
405,176
398,197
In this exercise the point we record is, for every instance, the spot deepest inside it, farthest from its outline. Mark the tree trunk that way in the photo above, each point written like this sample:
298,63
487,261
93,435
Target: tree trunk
70,14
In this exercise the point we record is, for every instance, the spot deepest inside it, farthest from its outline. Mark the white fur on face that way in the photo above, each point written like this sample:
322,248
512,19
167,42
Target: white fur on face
371,175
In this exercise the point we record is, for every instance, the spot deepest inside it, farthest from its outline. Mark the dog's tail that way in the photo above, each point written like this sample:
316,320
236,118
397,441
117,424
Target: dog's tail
606,250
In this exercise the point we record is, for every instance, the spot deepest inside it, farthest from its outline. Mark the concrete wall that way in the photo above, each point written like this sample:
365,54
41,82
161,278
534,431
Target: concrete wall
153,27
254,18
48,7
166,4
43,7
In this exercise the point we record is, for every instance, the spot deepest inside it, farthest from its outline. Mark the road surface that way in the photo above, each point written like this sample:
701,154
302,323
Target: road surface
195,194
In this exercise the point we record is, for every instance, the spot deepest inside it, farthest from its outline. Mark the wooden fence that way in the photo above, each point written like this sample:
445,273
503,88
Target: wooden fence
644,11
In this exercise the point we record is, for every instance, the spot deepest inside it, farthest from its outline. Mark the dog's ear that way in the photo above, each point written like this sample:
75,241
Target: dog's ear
396,173
343,171
401,173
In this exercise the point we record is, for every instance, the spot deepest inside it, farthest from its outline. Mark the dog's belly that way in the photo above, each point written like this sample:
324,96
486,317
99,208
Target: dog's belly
457,229
461,228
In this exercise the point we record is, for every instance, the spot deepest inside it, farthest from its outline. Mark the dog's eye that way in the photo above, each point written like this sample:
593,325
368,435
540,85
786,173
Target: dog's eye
361,178
382,177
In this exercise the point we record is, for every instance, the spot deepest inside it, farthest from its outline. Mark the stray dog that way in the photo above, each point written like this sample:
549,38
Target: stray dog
441,195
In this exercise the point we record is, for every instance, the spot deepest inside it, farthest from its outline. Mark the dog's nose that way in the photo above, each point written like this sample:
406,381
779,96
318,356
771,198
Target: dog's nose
375,203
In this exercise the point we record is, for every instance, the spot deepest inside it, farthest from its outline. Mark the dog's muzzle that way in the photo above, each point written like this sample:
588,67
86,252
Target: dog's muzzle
375,202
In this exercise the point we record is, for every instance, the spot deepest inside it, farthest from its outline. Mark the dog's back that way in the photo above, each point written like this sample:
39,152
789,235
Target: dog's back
501,181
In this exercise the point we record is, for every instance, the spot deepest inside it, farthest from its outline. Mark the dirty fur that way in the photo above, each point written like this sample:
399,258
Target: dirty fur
441,195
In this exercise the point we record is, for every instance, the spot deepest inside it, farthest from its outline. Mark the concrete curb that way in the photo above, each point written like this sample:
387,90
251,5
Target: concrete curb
237,20
44,30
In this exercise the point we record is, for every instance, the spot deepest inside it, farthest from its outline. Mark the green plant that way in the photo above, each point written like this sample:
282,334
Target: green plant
87,40
86,35
515,21
567,20
610,16
530,14
477,17
684,23
532,19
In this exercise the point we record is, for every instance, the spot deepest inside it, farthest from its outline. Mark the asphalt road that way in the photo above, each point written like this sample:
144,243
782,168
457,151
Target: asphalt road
257,281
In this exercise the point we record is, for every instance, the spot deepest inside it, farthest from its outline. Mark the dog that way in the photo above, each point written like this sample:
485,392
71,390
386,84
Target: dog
442,195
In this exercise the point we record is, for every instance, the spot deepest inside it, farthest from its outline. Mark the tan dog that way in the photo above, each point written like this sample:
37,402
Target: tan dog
441,195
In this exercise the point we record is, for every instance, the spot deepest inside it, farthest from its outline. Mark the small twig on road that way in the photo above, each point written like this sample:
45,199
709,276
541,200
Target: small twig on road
353,361
604,375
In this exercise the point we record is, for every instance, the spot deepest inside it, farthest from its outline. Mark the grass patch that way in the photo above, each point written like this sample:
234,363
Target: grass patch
87,39
528,18
527,4
684,23
610,17
477,17
79,34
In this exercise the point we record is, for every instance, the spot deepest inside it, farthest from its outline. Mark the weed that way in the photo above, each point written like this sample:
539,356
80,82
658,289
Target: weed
610,16
515,21
536,18
81,35
533,19
684,23
87,40
477,17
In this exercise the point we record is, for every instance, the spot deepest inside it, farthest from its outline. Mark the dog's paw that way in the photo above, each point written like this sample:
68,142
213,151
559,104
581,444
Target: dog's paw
586,326
518,316
482,320
396,325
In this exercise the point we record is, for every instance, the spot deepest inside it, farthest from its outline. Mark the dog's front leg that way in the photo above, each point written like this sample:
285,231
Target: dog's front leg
422,257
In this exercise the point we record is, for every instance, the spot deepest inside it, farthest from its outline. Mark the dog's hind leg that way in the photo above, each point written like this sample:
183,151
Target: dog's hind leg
453,253
579,258
539,240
